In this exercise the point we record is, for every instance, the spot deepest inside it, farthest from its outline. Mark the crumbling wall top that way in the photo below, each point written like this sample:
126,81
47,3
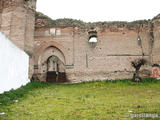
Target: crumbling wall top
31,4
45,21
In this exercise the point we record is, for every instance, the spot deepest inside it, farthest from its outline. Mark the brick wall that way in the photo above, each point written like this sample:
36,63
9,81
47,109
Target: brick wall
156,43
17,19
109,59
0,13
112,56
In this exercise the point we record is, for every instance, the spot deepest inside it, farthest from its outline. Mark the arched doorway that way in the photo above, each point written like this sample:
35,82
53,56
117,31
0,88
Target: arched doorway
51,65
55,70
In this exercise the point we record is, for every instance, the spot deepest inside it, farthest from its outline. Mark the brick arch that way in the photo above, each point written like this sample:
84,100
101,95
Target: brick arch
44,46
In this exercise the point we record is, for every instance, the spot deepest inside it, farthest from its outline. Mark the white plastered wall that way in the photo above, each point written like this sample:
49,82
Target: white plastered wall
14,64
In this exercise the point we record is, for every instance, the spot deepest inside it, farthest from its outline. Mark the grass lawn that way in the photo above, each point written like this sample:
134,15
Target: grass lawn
103,100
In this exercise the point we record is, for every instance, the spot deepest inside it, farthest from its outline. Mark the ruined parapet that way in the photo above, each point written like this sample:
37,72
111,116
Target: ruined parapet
30,4
12,4
156,19
44,21
115,26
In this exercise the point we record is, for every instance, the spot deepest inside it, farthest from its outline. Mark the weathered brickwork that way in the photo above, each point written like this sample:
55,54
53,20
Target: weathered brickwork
0,13
156,43
17,19
67,42
109,59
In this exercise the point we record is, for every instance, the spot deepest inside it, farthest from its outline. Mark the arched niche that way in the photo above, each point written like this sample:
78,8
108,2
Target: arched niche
44,59
40,50
48,52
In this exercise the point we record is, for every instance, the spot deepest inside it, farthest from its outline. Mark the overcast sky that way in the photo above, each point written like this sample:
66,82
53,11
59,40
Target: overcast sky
100,10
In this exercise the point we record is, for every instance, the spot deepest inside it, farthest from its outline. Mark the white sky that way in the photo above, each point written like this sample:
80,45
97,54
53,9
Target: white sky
100,10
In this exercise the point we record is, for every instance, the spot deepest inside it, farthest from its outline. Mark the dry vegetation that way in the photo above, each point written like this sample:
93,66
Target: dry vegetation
83,25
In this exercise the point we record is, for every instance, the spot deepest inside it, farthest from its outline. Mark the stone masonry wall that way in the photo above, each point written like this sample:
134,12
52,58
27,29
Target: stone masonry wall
18,23
156,43
112,56
109,59
61,38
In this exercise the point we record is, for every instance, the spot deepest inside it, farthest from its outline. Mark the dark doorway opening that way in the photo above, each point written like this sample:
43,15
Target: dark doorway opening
55,70
51,77
54,77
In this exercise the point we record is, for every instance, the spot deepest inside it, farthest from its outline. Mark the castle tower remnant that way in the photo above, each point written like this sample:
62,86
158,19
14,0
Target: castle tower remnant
17,20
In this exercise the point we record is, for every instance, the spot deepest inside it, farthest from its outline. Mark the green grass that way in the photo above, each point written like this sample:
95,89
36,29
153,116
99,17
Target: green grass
103,100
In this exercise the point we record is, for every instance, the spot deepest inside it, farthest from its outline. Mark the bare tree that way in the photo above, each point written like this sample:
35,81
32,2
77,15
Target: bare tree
137,65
